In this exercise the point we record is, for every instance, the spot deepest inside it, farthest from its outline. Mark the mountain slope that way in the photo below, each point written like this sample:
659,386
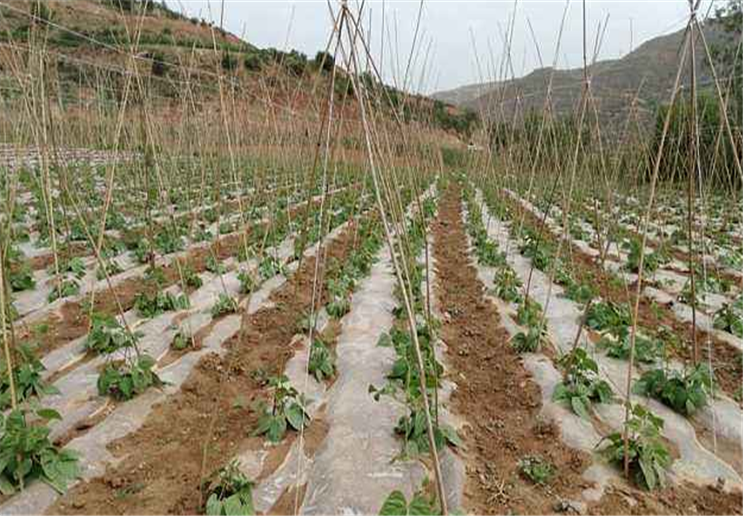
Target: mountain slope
648,72
88,45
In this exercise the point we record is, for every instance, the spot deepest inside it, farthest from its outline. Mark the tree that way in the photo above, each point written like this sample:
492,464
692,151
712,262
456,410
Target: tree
324,60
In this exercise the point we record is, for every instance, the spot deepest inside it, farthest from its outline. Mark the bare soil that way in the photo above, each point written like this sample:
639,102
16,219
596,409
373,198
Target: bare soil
495,393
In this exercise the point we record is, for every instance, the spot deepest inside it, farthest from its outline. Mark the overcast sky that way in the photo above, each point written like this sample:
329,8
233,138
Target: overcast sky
449,28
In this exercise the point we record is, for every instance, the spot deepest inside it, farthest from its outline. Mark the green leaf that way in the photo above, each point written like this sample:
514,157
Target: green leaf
232,506
6,488
451,436
648,473
579,407
295,415
394,505
48,414
420,506
276,429
213,506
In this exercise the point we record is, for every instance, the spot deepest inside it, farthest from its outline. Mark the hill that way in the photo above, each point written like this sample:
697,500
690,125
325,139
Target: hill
91,44
649,72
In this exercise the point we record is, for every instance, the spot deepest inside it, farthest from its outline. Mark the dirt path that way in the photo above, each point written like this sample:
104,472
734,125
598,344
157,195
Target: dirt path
495,393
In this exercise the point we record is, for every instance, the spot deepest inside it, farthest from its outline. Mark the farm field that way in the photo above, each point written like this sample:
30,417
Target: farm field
242,281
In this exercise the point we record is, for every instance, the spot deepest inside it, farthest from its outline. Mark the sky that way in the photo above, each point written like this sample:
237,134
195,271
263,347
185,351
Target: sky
456,34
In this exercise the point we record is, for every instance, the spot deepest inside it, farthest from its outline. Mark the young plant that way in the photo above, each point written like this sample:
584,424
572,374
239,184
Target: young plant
214,266
581,385
155,275
286,410
651,260
729,318
27,369
339,290
539,252
404,375
397,505
182,340
537,469
683,392
112,268
322,362
247,282
413,429
647,454
191,279
107,336
529,313
224,305
150,306
66,288
21,278
647,350
125,380
581,293
231,493
74,266
27,453
507,285
608,316
269,267
531,340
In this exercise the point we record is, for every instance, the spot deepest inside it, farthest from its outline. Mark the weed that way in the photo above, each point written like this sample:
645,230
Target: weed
536,469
